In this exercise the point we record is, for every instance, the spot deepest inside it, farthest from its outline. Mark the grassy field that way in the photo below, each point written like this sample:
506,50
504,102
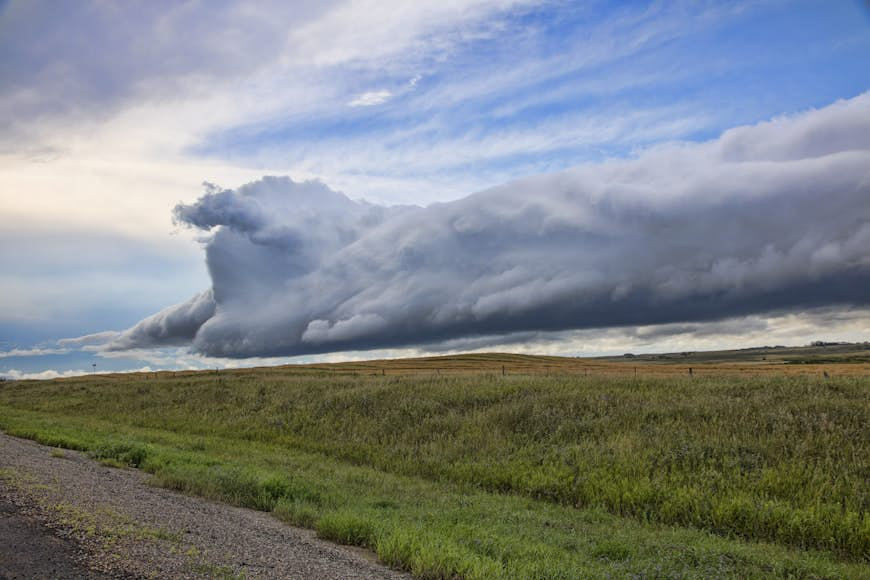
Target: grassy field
845,359
487,466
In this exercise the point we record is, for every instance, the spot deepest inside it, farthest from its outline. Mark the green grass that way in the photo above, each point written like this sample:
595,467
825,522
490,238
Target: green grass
491,476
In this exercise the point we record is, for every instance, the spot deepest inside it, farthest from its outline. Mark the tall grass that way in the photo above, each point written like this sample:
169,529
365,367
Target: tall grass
779,459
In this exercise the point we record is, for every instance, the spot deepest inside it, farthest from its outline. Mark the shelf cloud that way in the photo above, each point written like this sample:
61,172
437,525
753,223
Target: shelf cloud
769,217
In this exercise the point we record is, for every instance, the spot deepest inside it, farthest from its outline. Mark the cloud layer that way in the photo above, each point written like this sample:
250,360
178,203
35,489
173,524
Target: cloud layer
769,217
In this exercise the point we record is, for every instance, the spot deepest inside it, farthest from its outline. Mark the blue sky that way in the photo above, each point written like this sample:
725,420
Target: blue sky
116,114
578,85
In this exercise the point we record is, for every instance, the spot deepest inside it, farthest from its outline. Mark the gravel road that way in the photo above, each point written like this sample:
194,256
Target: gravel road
65,515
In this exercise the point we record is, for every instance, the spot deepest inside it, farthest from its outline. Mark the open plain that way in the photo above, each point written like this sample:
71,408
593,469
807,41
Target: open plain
514,466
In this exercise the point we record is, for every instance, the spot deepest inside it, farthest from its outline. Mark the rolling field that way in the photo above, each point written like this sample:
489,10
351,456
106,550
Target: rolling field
844,360
496,465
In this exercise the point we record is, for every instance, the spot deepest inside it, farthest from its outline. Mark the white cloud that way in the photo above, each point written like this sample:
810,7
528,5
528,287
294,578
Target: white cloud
371,30
17,375
371,98
32,352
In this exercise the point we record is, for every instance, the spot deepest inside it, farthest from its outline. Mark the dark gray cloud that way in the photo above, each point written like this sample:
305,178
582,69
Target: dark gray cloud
176,325
770,217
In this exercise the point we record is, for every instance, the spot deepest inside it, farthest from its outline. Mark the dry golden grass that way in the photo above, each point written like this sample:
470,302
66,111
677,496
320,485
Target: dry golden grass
520,364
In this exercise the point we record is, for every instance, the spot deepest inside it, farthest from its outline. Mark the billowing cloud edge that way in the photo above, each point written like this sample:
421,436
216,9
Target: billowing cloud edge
767,218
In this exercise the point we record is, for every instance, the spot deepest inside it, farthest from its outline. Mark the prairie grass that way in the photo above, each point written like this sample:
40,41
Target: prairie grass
504,476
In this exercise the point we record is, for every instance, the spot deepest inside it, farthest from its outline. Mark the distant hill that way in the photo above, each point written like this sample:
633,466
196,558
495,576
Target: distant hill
830,358
817,353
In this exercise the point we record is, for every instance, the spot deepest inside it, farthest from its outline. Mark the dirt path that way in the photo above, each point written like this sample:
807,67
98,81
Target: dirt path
64,515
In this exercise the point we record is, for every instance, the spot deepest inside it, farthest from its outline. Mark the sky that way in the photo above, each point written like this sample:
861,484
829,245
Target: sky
214,184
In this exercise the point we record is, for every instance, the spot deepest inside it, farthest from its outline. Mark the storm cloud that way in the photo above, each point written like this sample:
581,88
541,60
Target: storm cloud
770,217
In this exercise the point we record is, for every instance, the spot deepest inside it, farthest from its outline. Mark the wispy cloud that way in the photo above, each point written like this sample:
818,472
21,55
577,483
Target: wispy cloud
16,352
527,95
370,99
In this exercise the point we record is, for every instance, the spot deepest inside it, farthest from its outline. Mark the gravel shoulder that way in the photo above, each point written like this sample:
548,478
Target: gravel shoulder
80,519
31,550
